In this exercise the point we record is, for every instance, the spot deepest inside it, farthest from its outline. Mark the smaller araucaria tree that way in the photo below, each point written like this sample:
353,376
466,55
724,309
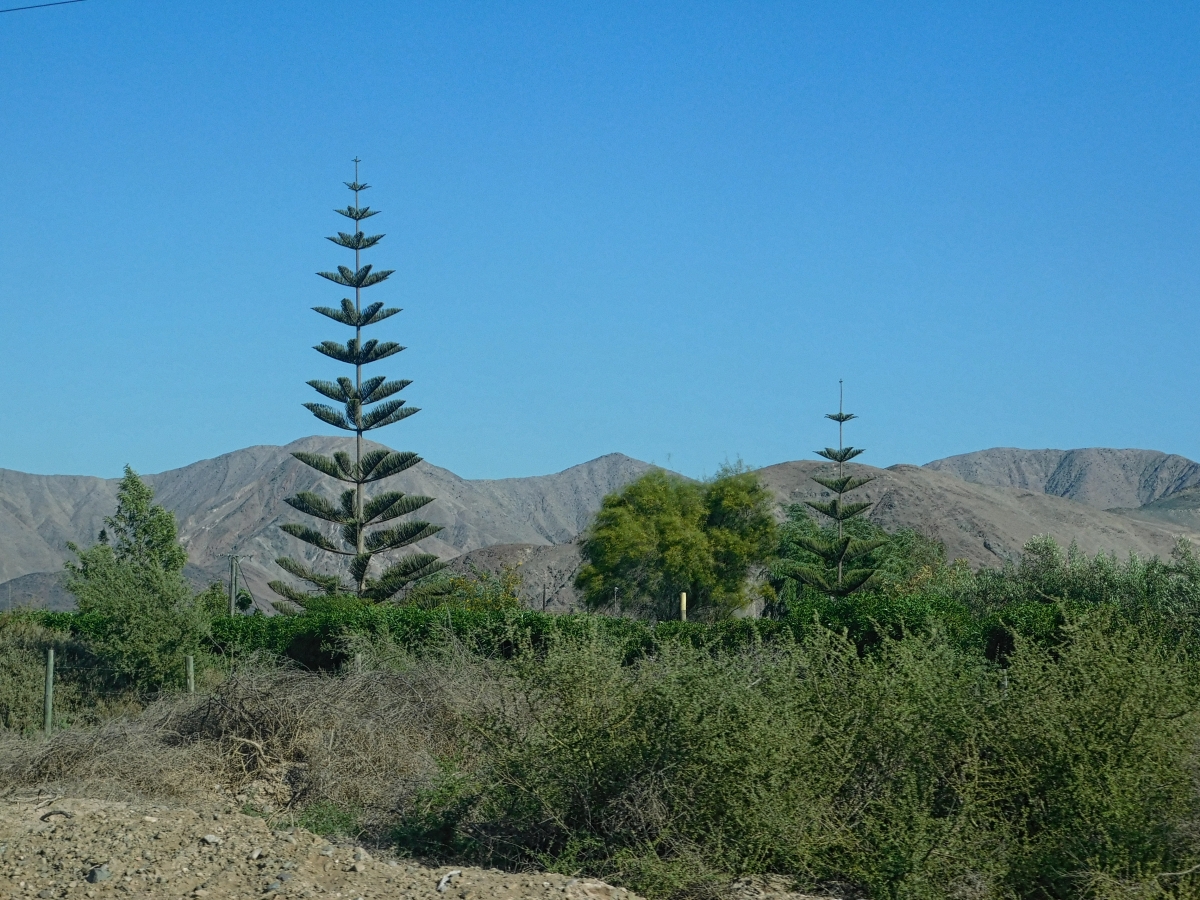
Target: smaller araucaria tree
354,513
844,557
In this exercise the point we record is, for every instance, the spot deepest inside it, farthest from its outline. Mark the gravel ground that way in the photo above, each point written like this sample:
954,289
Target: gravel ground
91,848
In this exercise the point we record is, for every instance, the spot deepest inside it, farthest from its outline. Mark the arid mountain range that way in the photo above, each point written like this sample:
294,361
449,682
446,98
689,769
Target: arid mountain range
235,504
983,506
1096,477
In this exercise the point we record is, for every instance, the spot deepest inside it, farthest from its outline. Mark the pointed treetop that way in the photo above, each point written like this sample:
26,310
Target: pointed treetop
845,558
839,416
354,185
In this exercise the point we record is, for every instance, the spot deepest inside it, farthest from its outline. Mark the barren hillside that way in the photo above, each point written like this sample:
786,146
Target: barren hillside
1098,477
1177,510
976,522
983,506
235,503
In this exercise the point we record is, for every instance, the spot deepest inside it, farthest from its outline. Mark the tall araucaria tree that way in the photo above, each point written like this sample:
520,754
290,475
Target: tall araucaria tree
844,557
366,404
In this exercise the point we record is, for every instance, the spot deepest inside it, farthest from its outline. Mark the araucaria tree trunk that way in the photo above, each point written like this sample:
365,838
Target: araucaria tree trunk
366,404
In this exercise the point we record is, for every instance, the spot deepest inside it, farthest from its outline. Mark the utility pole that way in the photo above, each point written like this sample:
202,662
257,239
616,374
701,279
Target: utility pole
234,568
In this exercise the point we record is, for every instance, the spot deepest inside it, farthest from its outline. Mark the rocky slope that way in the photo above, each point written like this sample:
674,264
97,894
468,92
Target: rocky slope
980,523
984,506
547,571
1098,477
40,590
234,504
1180,510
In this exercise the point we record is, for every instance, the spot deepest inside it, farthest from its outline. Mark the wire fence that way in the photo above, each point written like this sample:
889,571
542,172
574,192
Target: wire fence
54,670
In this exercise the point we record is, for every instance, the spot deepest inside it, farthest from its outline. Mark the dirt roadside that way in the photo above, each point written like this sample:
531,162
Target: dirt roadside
97,849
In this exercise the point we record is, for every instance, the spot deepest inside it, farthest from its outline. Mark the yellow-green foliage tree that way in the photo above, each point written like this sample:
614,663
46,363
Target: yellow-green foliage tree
664,535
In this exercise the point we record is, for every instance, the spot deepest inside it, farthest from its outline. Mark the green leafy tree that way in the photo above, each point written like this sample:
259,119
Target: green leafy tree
141,532
664,535
843,557
366,404
139,612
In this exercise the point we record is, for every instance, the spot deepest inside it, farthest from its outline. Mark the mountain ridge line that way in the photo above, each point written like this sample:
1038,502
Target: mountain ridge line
983,506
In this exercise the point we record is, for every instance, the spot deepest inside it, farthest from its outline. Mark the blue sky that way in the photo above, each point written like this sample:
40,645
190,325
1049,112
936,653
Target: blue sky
660,229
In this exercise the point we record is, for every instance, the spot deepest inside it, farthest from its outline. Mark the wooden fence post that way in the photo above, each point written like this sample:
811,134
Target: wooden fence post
48,703
191,674
683,607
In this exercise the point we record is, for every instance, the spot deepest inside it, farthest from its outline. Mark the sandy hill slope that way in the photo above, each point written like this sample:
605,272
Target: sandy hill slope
41,590
235,503
980,523
982,506
1099,477
547,572
1178,510
40,513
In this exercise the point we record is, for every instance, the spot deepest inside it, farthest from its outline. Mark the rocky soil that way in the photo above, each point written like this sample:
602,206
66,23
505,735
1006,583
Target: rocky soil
56,847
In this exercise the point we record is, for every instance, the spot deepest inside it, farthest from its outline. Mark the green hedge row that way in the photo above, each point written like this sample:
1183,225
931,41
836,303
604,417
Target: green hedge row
317,639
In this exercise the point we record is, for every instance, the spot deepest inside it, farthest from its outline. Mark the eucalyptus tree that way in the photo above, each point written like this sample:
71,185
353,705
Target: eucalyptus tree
366,525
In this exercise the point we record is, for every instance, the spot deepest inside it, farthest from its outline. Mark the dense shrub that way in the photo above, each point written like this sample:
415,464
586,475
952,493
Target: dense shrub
914,771
141,621
1029,732
915,588
475,590
86,690
672,759
320,638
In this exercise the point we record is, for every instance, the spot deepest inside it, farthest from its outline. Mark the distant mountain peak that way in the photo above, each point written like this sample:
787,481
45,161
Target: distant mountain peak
978,504
235,502
1100,477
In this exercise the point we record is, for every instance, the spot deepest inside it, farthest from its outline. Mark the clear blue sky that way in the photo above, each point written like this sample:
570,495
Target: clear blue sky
660,229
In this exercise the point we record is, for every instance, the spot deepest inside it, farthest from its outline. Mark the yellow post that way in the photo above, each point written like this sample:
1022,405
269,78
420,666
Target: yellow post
683,607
